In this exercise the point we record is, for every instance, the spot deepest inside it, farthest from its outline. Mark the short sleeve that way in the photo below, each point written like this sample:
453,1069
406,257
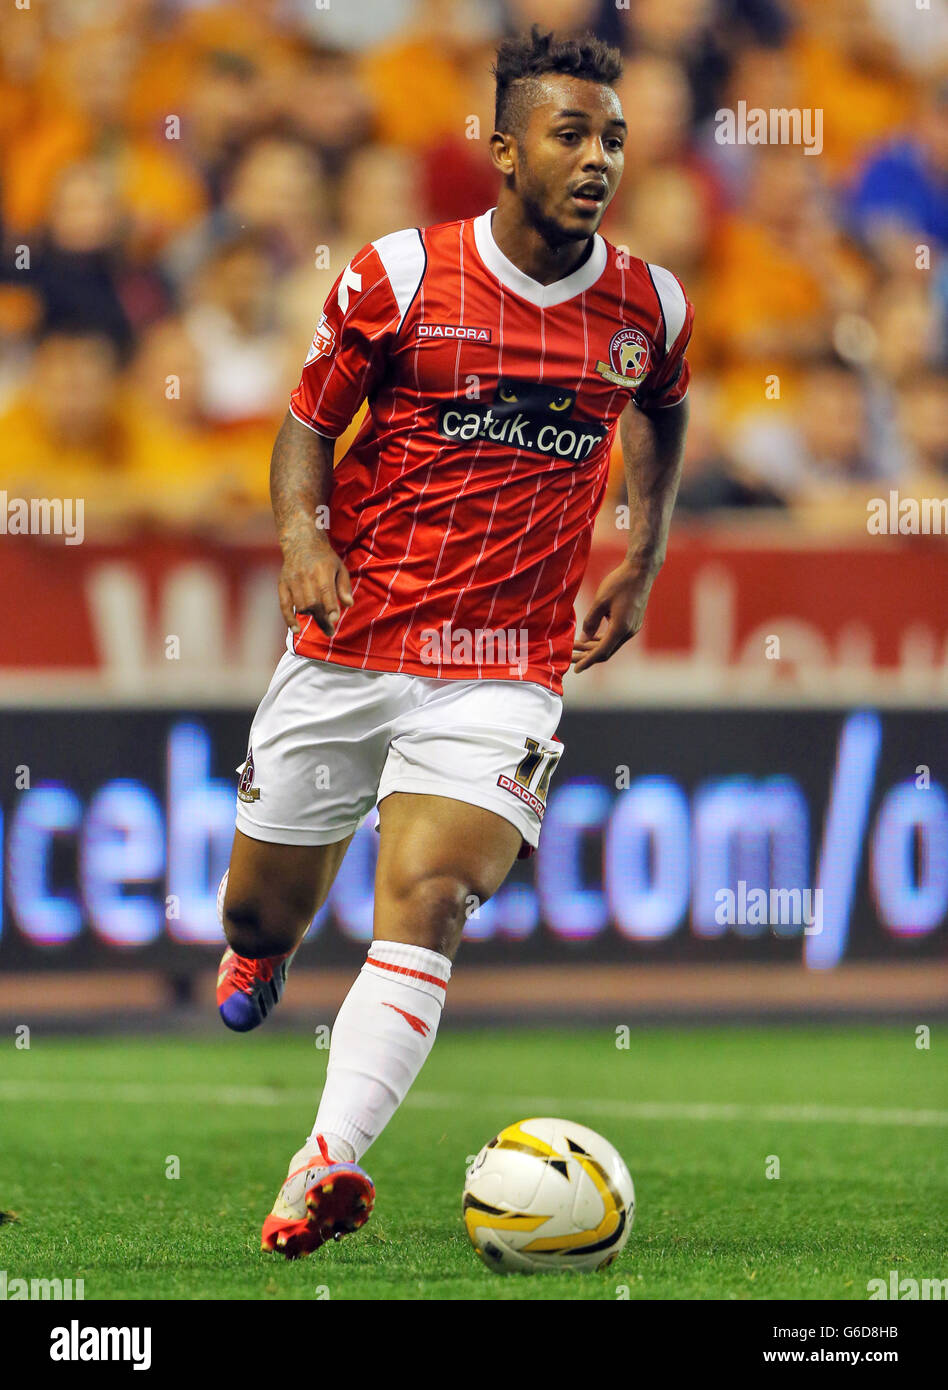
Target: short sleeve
667,382
348,354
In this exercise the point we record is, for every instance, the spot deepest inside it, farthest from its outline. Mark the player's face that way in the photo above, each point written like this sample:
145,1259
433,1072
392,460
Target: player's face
570,160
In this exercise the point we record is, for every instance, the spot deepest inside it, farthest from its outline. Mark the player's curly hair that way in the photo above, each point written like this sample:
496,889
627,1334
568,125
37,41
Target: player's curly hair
536,54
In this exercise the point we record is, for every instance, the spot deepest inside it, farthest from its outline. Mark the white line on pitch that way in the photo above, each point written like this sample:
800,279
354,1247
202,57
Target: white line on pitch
134,1093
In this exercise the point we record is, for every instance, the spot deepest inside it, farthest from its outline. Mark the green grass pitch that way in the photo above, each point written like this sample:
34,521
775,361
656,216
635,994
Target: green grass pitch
856,1117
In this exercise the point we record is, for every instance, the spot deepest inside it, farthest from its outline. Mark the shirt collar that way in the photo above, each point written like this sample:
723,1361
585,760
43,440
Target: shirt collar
543,296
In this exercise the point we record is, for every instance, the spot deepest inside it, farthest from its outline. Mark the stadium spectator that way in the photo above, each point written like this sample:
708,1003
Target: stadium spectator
779,274
327,105
81,111
704,36
394,175
275,189
922,404
350,28
828,442
565,16
711,480
73,432
188,177
848,67
435,50
908,326
221,112
244,365
78,267
903,187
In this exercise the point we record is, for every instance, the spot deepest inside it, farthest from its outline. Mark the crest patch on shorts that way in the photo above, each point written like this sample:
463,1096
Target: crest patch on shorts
245,787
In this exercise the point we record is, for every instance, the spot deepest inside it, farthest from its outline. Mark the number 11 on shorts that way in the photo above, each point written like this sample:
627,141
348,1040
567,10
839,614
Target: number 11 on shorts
527,767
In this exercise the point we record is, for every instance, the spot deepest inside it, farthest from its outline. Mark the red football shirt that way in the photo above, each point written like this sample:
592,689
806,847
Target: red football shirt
464,508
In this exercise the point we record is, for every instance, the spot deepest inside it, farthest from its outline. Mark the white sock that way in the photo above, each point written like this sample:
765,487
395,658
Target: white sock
380,1041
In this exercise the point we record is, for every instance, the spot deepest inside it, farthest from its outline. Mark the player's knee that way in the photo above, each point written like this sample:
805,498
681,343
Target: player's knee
436,907
254,931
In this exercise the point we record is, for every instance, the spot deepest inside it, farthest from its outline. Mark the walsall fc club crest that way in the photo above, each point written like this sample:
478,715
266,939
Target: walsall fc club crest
628,358
245,787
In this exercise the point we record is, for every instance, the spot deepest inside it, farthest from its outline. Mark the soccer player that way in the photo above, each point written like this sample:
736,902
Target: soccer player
430,628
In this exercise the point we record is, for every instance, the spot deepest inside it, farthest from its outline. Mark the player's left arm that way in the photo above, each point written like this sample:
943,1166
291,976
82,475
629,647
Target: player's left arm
653,444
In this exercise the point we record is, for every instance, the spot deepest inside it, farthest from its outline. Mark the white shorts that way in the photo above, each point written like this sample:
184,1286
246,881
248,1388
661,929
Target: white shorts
328,742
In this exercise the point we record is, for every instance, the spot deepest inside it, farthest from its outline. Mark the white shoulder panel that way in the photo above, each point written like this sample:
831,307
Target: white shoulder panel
403,256
672,301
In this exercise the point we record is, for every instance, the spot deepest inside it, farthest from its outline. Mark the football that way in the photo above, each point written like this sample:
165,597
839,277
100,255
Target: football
548,1194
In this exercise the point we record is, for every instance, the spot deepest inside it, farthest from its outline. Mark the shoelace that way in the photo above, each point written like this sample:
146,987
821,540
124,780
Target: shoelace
247,972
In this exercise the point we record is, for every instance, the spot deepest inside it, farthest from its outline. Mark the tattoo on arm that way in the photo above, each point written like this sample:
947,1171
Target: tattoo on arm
300,482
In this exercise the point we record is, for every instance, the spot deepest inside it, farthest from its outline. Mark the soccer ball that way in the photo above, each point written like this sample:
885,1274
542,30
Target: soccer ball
548,1194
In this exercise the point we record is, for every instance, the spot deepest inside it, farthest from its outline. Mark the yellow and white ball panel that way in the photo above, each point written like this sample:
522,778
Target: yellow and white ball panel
548,1194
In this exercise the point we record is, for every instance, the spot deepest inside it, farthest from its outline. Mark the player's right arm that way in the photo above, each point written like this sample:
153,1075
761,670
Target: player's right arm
345,364
314,580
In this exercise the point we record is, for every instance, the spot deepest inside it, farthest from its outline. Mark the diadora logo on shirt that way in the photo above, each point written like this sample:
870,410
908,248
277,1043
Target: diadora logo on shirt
628,358
526,415
466,332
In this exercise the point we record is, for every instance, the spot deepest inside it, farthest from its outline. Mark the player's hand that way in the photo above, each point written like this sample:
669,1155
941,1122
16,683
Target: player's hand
314,581
619,603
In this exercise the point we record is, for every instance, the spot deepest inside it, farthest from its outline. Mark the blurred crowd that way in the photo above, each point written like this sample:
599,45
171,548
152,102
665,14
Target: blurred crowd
181,181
